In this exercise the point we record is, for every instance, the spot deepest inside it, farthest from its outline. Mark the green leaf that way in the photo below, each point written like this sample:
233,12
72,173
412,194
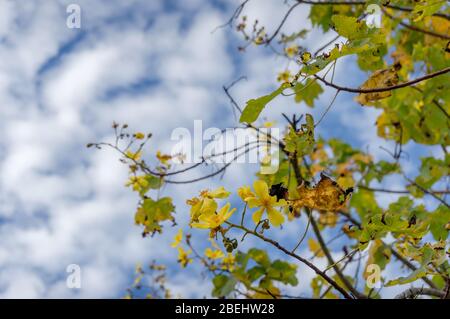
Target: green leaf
303,140
260,256
294,36
223,285
429,253
417,274
426,8
320,16
307,92
364,203
255,273
254,107
431,171
341,151
381,169
283,272
354,29
153,182
151,213
438,222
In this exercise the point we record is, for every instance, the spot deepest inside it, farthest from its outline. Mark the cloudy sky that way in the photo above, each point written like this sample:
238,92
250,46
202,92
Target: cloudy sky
155,65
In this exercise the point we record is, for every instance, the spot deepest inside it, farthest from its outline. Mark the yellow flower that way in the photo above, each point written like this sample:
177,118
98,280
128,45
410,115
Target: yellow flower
291,51
139,136
183,257
228,262
265,202
177,239
245,192
213,221
205,204
268,124
134,156
213,254
217,193
163,158
137,182
284,76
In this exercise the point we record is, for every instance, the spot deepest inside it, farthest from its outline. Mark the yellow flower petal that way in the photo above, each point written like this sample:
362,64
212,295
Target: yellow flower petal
177,239
245,193
253,202
209,206
261,189
213,254
200,225
275,217
257,215
219,193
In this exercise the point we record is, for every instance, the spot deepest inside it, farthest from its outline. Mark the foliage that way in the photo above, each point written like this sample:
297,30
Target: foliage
329,182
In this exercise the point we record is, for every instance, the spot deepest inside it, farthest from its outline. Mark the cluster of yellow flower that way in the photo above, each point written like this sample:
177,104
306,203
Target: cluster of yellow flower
183,255
226,262
265,203
204,212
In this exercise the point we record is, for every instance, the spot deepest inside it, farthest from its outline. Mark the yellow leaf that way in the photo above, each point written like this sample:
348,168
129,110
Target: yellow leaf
379,79
328,219
346,181
403,59
440,25
315,248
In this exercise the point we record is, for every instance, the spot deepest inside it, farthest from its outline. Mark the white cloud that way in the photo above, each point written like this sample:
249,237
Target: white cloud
62,203
132,62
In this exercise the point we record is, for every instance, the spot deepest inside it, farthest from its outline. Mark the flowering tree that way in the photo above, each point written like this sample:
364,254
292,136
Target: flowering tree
328,182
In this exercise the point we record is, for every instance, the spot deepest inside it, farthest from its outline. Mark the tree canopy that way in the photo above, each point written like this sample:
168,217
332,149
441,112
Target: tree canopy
327,182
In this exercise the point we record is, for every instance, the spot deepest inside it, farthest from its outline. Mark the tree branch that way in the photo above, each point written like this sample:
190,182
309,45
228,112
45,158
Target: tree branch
412,293
417,29
392,191
323,245
301,259
363,3
383,89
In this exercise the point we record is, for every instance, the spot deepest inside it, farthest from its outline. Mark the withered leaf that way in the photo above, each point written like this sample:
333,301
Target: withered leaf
326,196
379,79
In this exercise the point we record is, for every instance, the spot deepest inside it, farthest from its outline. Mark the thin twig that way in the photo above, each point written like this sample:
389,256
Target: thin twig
282,22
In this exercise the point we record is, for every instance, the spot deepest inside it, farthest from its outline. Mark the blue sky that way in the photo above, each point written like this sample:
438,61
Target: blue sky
157,66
